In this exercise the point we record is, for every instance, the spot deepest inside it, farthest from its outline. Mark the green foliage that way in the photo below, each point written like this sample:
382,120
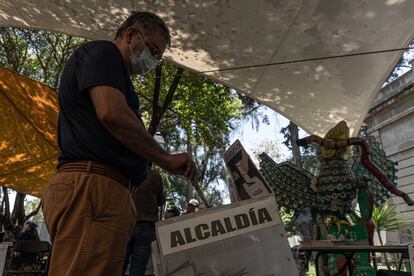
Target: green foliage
309,154
287,218
386,218
200,117
204,109
40,55
253,111
310,160
176,188
285,131
176,192
286,134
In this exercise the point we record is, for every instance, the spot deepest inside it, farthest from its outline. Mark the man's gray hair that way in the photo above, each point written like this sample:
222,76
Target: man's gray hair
147,22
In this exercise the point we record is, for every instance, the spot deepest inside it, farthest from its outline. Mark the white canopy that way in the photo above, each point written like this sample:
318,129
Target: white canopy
210,35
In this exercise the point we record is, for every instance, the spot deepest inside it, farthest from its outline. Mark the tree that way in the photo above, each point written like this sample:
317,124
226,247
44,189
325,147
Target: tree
253,111
18,214
307,157
50,51
294,136
206,114
193,114
5,208
270,147
404,64
40,55
176,189
33,207
14,51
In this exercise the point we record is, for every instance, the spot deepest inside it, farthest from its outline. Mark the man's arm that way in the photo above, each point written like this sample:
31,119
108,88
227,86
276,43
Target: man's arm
115,114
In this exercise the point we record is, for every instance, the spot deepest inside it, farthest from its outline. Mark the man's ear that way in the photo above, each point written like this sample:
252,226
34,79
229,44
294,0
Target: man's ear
129,34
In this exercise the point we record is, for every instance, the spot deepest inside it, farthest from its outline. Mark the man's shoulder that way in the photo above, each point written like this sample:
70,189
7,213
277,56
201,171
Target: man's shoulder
98,54
97,45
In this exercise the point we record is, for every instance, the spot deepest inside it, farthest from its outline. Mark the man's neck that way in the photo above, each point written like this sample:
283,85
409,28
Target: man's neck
124,52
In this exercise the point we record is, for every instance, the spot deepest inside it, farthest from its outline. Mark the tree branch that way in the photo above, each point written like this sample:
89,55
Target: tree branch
155,117
34,212
251,111
155,121
211,178
171,91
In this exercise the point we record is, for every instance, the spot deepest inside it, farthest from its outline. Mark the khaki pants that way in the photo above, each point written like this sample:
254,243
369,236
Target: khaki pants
90,218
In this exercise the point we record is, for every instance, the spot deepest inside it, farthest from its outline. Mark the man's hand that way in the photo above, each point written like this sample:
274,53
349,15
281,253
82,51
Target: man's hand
179,164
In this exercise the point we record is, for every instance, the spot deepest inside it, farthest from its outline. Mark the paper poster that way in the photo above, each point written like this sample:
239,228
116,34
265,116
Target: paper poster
234,195
248,181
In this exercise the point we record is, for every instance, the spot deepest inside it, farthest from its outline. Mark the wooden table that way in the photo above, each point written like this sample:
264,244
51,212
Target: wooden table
349,251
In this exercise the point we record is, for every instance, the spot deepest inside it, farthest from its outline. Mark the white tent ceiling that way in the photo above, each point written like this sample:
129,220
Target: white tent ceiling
210,35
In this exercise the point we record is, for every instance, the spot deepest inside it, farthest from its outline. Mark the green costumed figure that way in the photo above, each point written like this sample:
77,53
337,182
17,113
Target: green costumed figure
346,179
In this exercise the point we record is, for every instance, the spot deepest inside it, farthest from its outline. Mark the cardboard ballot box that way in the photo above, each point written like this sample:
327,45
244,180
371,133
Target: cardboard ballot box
243,238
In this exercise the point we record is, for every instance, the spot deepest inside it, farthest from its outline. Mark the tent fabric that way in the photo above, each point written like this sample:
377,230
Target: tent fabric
28,123
210,35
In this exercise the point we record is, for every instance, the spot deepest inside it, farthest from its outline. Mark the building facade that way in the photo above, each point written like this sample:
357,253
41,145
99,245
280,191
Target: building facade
391,120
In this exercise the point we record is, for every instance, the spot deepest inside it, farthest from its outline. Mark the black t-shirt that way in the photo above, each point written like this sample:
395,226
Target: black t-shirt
81,135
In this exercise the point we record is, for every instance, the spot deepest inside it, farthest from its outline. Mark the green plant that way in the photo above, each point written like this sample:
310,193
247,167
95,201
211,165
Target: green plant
386,218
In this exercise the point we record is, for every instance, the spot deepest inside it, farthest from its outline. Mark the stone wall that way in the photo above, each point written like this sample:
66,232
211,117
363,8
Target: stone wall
391,120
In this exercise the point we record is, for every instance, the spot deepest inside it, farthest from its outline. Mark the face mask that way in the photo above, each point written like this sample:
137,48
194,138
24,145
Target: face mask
142,63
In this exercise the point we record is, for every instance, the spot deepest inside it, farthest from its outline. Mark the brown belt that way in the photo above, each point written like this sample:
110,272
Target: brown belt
96,168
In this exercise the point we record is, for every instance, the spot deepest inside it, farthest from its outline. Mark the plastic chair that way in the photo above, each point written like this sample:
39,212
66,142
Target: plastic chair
29,258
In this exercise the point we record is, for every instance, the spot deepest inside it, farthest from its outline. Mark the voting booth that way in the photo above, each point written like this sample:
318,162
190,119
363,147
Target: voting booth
246,237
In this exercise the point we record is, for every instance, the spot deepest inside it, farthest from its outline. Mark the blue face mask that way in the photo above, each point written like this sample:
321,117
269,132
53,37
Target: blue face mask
144,62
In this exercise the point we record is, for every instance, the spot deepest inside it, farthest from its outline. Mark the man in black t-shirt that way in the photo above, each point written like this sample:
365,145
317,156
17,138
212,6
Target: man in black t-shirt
104,148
